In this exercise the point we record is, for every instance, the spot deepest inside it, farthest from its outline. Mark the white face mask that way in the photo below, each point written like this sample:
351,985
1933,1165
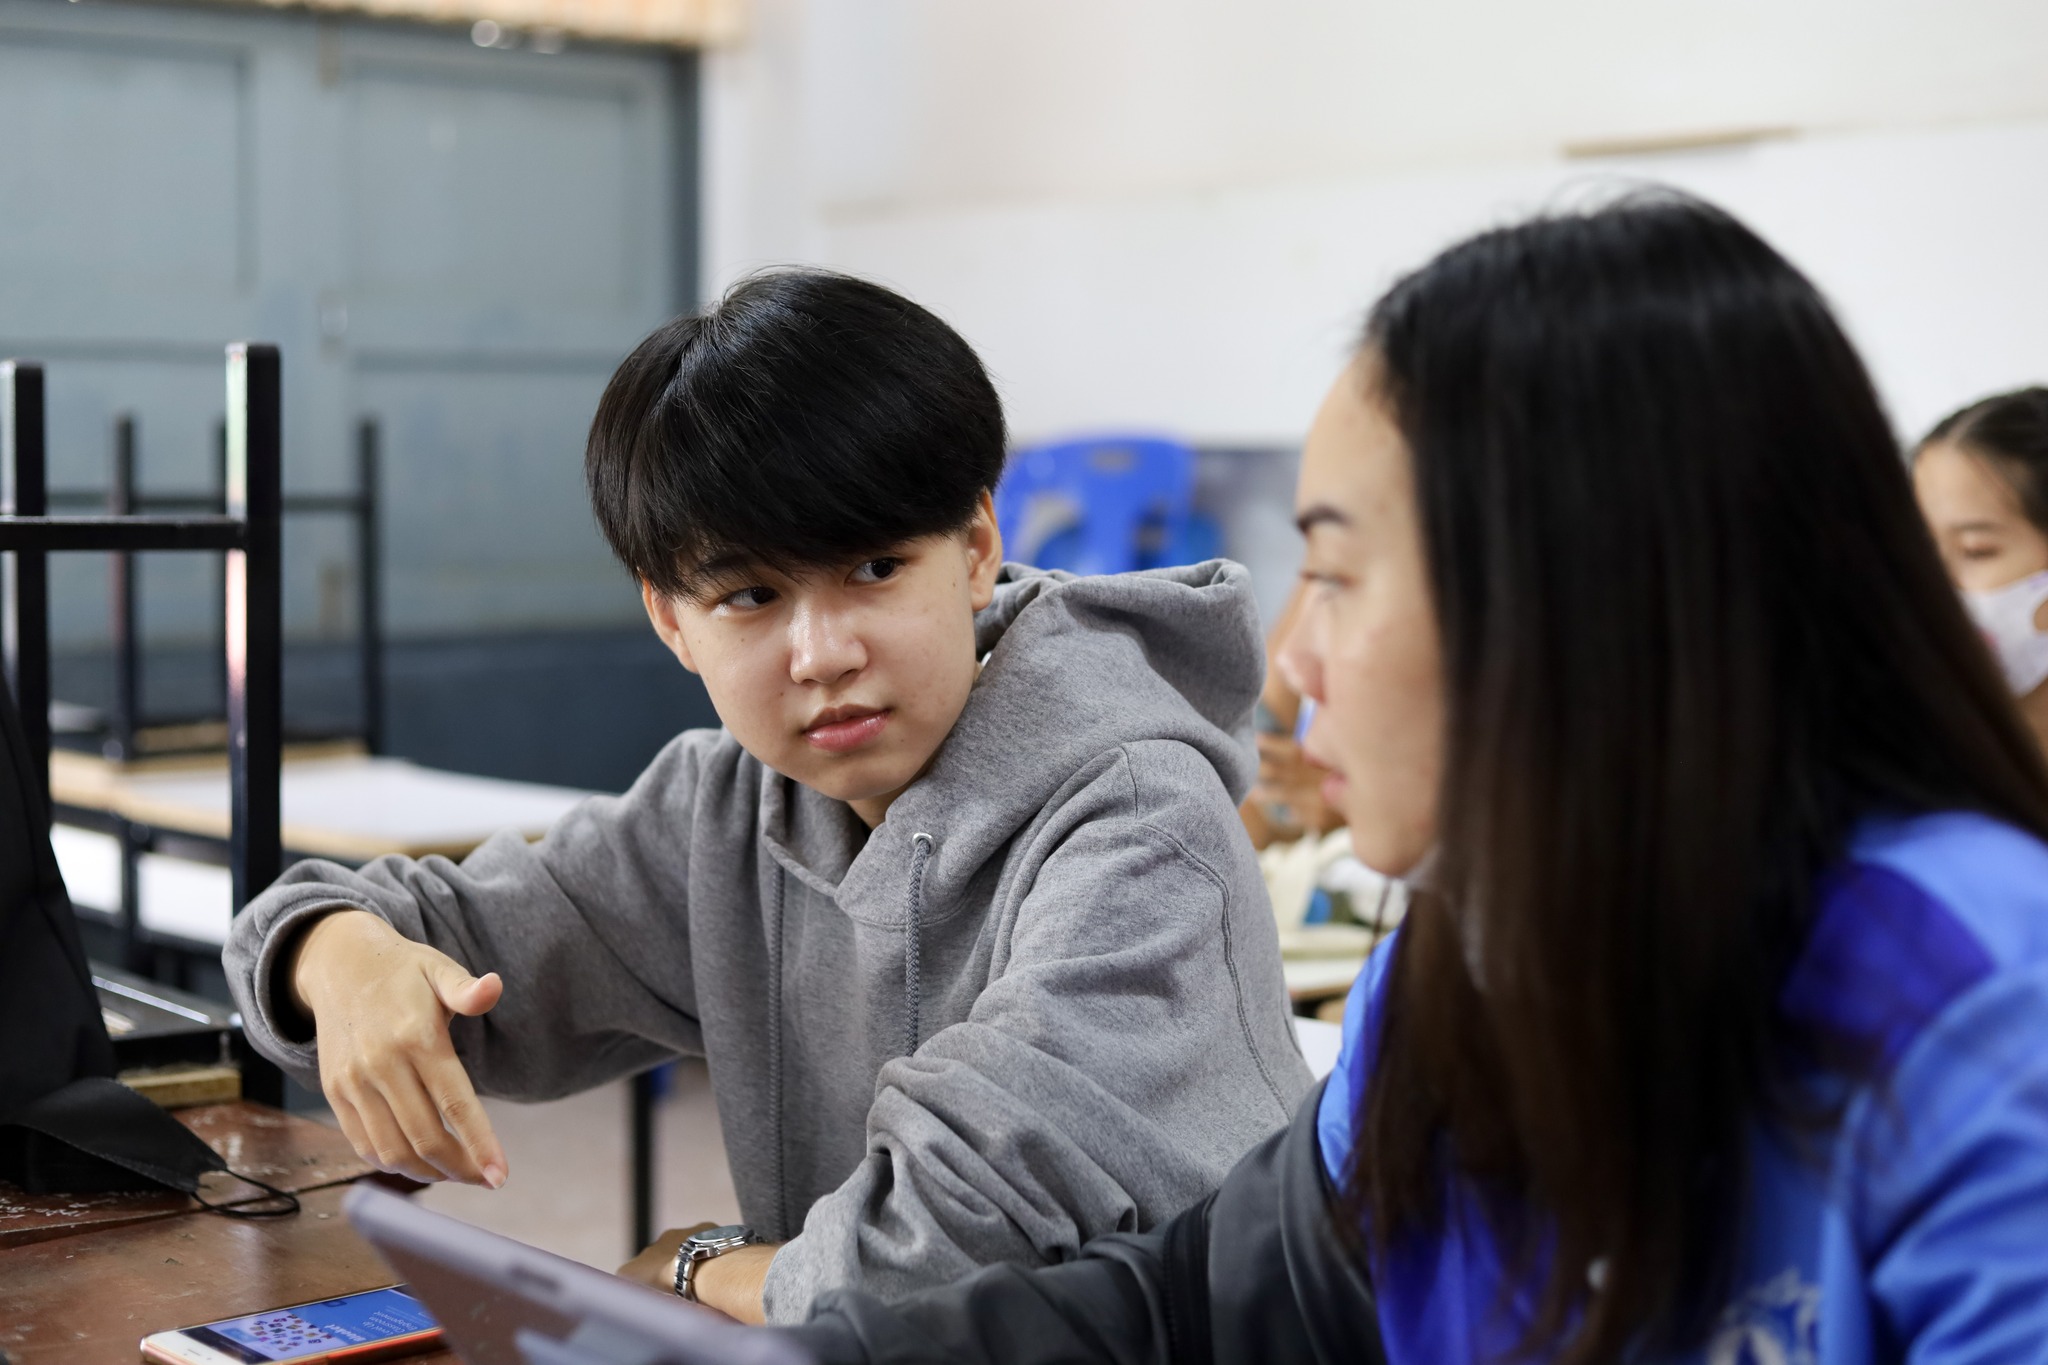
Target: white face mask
2006,616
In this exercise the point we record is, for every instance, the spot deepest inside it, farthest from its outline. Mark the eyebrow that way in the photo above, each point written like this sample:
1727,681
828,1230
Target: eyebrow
1321,514
718,570
728,562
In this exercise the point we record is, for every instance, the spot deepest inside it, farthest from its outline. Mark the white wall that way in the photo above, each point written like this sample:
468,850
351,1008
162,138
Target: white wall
1172,212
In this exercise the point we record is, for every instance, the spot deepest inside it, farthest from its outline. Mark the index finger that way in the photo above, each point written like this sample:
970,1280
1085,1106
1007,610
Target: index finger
447,1085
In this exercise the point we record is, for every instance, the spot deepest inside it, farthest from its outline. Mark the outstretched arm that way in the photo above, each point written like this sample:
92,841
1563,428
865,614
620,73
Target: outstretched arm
405,987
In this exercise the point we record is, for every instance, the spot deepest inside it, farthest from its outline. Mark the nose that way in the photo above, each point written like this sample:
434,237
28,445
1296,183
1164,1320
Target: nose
824,645
1299,658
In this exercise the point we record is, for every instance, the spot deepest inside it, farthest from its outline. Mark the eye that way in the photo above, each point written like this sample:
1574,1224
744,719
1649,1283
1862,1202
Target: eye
877,570
748,599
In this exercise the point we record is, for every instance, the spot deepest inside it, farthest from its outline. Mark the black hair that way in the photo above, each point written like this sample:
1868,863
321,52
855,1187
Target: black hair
2010,430
1693,629
805,420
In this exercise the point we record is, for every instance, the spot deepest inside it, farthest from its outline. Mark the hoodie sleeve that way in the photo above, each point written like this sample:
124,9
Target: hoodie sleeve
1131,1047
1950,1184
587,927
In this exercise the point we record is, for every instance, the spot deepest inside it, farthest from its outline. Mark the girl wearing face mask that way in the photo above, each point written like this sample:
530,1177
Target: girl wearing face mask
1717,1030
1982,479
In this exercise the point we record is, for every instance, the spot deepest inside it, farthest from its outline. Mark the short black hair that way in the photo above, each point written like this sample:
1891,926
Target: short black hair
804,420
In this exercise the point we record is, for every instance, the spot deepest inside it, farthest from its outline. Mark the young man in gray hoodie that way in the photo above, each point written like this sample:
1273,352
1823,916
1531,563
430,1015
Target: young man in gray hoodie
956,906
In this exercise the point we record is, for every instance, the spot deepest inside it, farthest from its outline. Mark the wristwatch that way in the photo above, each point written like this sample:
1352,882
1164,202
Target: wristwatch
699,1247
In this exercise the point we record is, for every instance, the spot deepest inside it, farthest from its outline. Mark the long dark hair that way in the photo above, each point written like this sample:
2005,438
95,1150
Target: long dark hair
2011,430
1693,628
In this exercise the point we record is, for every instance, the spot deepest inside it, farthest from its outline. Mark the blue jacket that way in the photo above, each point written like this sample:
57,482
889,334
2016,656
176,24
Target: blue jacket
1923,1234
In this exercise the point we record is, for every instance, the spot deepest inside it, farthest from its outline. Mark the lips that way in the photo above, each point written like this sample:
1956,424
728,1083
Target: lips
842,729
1333,783
1309,752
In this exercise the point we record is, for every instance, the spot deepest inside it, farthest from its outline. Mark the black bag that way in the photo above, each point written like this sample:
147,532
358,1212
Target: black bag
66,1126
95,1135
51,1032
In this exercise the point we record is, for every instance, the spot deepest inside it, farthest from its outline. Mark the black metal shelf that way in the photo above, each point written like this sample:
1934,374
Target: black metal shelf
47,535
248,534
126,727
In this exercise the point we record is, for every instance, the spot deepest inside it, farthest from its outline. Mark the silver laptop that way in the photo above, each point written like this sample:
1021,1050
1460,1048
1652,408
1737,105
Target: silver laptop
502,1302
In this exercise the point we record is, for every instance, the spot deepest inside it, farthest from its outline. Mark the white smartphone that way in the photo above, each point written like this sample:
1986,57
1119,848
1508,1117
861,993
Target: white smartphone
356,1328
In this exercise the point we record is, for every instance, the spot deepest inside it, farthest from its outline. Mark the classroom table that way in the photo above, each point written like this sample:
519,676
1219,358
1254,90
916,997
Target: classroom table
280,1149
1314,980
337,802
89,1299
1321,961
84,1278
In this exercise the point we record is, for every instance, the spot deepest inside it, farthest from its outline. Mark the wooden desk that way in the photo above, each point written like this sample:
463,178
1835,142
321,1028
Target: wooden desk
113,1269
291,1153
89,1299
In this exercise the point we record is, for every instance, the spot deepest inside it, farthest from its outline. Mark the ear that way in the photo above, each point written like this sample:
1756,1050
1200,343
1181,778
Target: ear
666,617
984,552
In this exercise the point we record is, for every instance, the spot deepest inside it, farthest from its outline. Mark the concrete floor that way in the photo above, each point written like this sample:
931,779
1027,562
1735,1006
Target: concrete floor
569,1172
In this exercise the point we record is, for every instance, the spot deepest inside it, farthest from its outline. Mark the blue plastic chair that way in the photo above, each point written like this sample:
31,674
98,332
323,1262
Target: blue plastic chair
1103,504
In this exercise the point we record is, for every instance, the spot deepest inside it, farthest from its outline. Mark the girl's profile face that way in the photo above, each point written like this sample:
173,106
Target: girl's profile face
1364,646
1983,533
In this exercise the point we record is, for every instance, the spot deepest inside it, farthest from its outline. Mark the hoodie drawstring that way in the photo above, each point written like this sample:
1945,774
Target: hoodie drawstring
913,931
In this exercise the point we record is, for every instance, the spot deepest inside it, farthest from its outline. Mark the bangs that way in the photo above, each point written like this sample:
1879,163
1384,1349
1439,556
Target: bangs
809,421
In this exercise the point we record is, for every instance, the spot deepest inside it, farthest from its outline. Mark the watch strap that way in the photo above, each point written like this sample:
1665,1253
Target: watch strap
696,1250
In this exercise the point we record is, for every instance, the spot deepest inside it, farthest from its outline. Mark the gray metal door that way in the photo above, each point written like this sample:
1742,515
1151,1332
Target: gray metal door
460,241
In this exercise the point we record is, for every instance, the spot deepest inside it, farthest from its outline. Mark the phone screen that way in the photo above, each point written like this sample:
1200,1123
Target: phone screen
316,1328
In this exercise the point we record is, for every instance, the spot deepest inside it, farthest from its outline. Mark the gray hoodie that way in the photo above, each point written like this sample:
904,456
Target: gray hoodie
1040,1002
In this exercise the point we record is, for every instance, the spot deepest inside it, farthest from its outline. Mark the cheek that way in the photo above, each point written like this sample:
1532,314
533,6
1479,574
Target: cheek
745,678
2033,555
927,659
1385,703
2009,564
1981,574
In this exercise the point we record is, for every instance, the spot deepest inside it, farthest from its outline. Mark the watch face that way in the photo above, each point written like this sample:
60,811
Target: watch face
728,1233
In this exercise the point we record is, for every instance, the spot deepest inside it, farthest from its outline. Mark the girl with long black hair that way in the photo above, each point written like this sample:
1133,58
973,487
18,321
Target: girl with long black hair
1718,1030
